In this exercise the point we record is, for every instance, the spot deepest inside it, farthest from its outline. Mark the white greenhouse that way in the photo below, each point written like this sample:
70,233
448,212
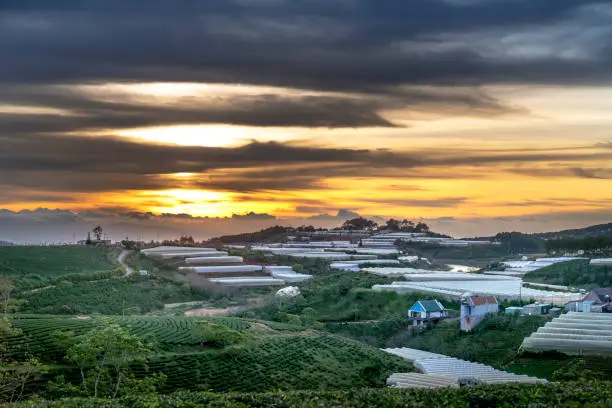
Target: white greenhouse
167,249
214,260
222,269
239,281
435,365
183,255
574,333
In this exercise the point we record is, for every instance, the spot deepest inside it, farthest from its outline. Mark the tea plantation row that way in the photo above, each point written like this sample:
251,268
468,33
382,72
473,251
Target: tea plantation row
559,395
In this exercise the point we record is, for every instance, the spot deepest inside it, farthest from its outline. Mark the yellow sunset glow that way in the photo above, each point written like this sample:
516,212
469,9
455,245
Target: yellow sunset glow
527,170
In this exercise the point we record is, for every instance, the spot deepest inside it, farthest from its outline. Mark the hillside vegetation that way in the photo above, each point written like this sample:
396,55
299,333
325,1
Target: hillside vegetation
600,230
576,394
340,297
79,279
134,295
572,273
224,354
39,266
495,341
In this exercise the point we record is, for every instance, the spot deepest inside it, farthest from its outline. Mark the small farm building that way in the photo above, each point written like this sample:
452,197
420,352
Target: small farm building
513,310
425,311
475,308
537,309
597,301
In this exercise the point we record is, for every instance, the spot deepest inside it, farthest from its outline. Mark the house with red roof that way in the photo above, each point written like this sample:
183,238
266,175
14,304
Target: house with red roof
475,308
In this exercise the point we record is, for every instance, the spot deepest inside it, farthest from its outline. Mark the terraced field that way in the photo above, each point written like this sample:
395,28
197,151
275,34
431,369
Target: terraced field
164,332
226,354
315,361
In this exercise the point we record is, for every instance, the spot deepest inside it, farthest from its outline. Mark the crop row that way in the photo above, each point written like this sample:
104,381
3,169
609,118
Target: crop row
286,362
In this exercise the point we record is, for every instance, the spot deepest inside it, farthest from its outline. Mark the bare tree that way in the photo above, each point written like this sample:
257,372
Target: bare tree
98,232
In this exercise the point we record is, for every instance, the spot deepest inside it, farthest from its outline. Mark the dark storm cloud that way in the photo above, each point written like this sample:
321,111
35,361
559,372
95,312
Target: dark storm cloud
97,164
85,112
563,171
347,45
367,48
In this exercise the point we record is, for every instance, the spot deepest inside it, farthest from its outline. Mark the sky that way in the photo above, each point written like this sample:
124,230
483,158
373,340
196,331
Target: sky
213,116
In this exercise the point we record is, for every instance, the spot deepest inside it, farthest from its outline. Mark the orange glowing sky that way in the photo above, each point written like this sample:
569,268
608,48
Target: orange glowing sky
546,125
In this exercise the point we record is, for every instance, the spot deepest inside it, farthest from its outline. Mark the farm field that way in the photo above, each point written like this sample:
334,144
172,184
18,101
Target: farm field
133,295
79,279
572,273
574,394
541,367
229,354
339,297
38,266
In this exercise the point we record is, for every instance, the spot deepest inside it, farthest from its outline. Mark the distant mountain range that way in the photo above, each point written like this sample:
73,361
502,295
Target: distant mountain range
601,230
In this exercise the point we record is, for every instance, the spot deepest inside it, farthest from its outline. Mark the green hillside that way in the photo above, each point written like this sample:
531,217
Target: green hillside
572,273
133,295
79,279
576,394
225,354
339,297
39,266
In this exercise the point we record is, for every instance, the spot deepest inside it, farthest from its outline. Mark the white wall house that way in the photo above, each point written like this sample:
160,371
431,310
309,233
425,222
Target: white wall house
475,308
424,311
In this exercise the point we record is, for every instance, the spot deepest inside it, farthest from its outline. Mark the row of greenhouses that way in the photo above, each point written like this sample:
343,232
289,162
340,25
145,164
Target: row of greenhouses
220,268
574,333
442,371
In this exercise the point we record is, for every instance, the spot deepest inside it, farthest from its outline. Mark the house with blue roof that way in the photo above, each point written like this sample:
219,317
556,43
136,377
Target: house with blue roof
427,311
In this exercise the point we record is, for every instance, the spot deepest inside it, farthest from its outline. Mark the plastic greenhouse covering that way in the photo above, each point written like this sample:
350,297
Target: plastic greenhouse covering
214,259
434,365
574,333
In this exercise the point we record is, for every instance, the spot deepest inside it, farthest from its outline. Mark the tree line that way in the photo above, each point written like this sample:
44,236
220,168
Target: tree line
592,245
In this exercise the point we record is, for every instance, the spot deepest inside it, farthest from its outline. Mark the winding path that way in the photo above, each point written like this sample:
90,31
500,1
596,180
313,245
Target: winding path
121,258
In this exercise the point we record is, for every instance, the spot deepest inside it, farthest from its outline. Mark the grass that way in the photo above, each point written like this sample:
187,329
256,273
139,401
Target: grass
343,297
85,280
133,295
227,354
543,366
573,273
39,266
495,341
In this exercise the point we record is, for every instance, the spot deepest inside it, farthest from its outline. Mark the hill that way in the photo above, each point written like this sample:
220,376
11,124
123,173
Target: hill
573,273
114,296
226,354
272,234
39,266
77,279
600,230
